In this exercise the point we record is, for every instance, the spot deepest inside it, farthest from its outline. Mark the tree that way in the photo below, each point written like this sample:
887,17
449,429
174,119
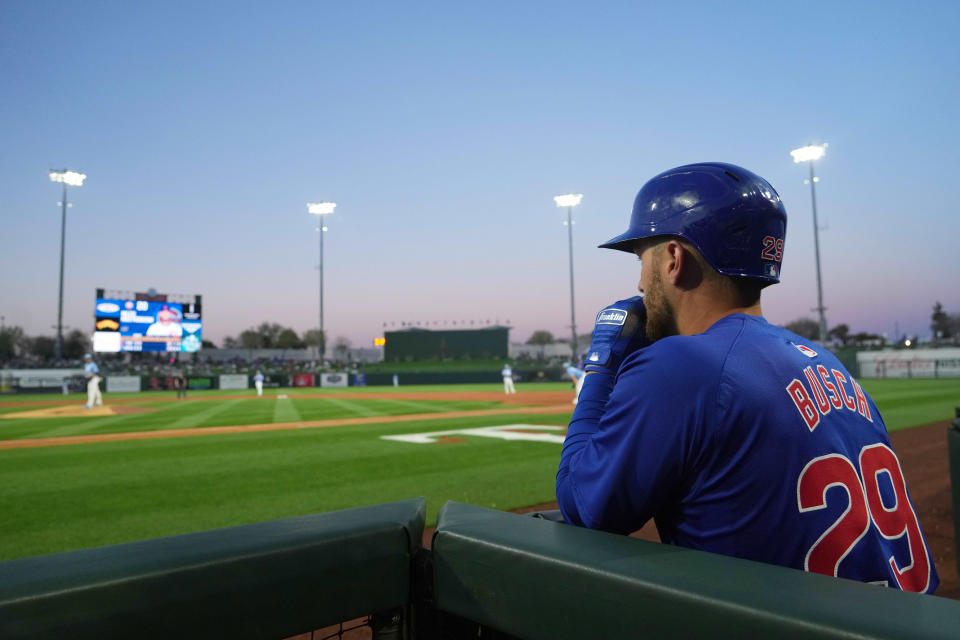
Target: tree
805,328
288,339
43,347
541,338
840,332
313,337
940,323
341,348
251,339
75,345
269,332
209,344
12,342
230,343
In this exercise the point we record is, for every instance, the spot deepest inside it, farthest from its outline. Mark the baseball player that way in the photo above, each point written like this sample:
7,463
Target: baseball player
180,382
576,376
507,374
92,373
736,436
258,382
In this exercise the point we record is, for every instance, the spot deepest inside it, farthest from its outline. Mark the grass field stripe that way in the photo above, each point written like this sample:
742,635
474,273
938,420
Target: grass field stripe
195,418
285,411
26,443
527,397
355,407
84,425
422,406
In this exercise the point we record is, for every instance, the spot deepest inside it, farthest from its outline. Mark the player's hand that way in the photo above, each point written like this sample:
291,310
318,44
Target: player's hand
620,330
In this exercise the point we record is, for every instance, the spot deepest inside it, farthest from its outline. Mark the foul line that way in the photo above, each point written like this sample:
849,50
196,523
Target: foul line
28,443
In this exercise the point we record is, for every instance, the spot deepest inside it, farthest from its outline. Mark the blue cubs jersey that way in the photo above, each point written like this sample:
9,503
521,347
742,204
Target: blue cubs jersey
749,441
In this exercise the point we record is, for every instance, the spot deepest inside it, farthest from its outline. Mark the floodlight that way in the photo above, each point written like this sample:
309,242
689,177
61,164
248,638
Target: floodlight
809,152
72,178
568,200
321,208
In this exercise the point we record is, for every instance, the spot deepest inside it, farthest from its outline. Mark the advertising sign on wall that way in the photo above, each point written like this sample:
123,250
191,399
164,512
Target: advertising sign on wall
159,383
333,379
123,384
303,380
910,363
199,383
234,381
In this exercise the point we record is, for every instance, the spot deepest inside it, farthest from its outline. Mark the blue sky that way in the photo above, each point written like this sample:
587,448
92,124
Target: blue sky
443,130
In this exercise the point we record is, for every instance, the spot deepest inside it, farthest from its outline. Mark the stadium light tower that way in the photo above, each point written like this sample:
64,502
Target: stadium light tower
569,201
73,179
810,153
321,209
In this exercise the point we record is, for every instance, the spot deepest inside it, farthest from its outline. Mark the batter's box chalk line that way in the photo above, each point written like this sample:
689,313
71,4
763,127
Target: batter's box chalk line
526,432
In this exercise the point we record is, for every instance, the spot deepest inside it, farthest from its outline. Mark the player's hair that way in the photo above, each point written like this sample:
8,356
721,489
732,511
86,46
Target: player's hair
744,292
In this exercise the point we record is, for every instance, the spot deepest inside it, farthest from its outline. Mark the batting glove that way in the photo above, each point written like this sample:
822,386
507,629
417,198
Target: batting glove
620,330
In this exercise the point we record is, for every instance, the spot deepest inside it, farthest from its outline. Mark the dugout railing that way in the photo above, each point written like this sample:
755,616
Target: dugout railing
267,580
489,574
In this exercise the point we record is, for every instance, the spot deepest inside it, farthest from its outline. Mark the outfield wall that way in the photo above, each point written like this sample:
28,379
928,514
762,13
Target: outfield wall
910,363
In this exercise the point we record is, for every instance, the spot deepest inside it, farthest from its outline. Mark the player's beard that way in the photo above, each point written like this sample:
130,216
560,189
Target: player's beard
661,320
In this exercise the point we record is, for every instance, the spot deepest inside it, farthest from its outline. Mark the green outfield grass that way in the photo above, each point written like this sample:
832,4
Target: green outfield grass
71,497
911,403
76,496
80,398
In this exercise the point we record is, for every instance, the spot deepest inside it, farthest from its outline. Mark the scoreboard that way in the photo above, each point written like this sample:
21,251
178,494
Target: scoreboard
147,325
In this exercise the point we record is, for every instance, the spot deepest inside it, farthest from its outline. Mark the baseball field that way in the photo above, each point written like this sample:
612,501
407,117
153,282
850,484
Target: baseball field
148,465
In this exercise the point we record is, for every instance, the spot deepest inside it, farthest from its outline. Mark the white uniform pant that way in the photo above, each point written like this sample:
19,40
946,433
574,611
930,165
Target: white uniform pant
93,392
508,385
579,387
259,385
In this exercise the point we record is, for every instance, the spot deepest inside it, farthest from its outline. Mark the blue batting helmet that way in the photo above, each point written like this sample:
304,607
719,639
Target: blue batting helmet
732,216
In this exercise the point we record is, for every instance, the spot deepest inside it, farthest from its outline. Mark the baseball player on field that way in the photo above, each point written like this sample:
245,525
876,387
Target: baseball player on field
507,374
258,382
576,376
92,373
736,436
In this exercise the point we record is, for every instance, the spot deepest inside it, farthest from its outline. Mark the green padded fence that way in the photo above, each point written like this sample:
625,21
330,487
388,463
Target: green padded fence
534,578
267,580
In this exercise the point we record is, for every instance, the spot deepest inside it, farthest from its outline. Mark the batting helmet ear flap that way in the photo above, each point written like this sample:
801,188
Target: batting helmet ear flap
733,217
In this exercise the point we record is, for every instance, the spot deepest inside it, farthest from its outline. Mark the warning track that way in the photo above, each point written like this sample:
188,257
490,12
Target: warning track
284,426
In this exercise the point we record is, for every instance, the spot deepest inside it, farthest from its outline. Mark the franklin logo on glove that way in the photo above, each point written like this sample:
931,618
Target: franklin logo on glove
612,316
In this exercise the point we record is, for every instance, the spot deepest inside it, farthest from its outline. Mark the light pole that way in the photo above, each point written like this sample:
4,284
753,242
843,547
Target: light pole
74,179
569,201
809,154
321,209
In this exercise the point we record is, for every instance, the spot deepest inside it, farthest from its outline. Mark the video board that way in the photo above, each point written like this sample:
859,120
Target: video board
147,325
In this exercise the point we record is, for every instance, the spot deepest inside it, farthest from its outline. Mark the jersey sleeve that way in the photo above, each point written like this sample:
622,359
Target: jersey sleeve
626,458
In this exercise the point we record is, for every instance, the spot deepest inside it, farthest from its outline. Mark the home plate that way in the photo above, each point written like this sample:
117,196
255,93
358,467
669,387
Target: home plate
528,432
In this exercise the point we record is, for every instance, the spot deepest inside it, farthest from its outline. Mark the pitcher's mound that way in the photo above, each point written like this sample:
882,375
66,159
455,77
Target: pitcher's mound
75,412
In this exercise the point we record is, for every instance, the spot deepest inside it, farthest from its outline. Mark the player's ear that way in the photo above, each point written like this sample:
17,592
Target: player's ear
673,261
682,268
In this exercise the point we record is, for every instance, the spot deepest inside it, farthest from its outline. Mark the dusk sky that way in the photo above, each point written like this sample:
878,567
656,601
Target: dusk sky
443,130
